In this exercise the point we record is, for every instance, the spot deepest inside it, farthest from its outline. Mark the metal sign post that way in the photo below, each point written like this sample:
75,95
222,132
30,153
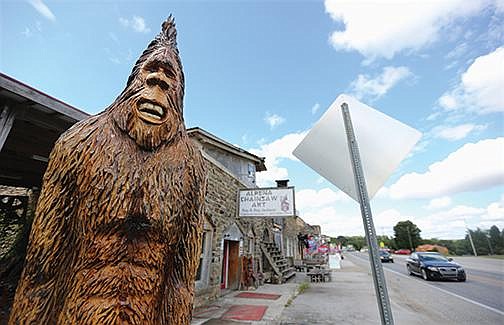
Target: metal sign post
374,256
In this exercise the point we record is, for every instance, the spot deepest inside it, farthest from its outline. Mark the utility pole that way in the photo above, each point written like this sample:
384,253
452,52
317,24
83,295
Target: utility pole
489,245
470,239
409,237
367,218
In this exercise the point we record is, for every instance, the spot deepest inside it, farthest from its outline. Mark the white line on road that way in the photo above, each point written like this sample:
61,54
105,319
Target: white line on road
442,290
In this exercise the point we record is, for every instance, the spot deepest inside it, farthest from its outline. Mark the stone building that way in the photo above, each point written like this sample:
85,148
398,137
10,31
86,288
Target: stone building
229,240
294,230
226,238
289,231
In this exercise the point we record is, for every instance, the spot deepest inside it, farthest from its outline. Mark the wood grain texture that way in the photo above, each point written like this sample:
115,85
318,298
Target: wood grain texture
117,228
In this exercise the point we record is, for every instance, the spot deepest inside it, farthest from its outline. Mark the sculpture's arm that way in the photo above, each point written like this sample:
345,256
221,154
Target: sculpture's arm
178,298
49,250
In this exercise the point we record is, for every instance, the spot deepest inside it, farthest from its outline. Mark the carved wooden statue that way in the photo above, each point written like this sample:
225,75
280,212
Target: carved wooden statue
116,235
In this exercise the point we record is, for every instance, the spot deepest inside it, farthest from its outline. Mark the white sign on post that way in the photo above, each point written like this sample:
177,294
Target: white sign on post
383,143
335,262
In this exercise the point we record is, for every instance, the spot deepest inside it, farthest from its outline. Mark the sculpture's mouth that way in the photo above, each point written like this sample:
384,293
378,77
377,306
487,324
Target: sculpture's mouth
151,112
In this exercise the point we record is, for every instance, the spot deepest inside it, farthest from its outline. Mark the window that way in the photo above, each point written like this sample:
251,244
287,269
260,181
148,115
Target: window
251,246
202,273
202,257
251,170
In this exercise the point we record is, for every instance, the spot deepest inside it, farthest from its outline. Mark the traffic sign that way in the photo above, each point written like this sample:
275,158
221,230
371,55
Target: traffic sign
383,143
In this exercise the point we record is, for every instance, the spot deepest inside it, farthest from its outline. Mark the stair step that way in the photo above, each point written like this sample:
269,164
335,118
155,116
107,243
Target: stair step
288,276
288,270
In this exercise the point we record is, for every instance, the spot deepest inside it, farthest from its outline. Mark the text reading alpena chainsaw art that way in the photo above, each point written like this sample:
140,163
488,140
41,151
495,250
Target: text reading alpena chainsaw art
117,227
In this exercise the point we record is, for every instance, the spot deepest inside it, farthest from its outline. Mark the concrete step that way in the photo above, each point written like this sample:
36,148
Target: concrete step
289,275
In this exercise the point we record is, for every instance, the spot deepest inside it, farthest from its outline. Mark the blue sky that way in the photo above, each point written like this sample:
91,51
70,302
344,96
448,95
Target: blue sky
260,74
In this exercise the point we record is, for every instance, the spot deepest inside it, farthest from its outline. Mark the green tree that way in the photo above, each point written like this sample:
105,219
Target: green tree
341,240
407,235
356,241
387,241
480,240
462,247
496,240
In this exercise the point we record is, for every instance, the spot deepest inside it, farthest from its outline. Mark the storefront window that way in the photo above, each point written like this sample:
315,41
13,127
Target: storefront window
202,272
251,246
200,266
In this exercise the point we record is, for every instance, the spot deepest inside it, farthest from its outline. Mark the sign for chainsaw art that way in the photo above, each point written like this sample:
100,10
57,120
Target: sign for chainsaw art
266,202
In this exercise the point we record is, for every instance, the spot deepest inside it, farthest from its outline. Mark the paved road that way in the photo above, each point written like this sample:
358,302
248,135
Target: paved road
484,285
349,298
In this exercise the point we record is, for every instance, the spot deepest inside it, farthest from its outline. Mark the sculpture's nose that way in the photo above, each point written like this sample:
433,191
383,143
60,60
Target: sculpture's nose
158,79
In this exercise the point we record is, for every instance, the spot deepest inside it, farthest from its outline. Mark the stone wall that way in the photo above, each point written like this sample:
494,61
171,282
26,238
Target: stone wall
293,226
17,208
221,213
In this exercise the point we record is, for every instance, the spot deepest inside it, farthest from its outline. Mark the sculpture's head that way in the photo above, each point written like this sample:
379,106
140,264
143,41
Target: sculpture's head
149,109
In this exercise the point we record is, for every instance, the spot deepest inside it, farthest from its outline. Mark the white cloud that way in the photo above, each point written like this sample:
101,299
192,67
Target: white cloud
244,139
495,212
452,223
309,198
387,219
378,86
458,51
439,203
274,152
383,193
125,22
43,9
385,28
458,213
27,32
448,102
494,215
456,132
333,222
475,166
136,23
480,87
320,180
335,219
273,120
315,108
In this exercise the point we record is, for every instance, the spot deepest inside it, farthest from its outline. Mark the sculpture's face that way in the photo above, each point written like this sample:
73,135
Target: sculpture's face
159,97
151,109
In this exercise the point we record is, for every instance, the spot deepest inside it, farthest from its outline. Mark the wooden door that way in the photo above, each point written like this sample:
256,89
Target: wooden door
234,265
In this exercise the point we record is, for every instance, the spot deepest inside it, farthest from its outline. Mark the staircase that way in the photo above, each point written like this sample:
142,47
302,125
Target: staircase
278,263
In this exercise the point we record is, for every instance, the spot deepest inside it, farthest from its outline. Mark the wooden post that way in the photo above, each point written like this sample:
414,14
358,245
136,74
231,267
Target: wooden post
6,120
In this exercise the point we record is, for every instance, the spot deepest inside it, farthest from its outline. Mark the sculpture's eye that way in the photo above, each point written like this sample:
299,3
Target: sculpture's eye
165,67
152,67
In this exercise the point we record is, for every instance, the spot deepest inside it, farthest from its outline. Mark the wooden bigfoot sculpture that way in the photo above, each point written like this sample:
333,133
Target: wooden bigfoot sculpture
117,228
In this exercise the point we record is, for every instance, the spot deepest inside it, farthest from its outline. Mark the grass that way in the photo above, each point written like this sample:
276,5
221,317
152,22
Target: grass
498,257
300,289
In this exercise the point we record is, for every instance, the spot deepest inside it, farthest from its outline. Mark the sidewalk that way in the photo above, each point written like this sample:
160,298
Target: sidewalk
229,308
349,298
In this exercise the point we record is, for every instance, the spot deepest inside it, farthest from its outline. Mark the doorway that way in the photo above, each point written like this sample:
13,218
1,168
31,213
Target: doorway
230,265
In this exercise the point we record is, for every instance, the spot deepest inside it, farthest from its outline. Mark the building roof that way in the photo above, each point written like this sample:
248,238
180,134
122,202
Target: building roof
31,121
206,137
